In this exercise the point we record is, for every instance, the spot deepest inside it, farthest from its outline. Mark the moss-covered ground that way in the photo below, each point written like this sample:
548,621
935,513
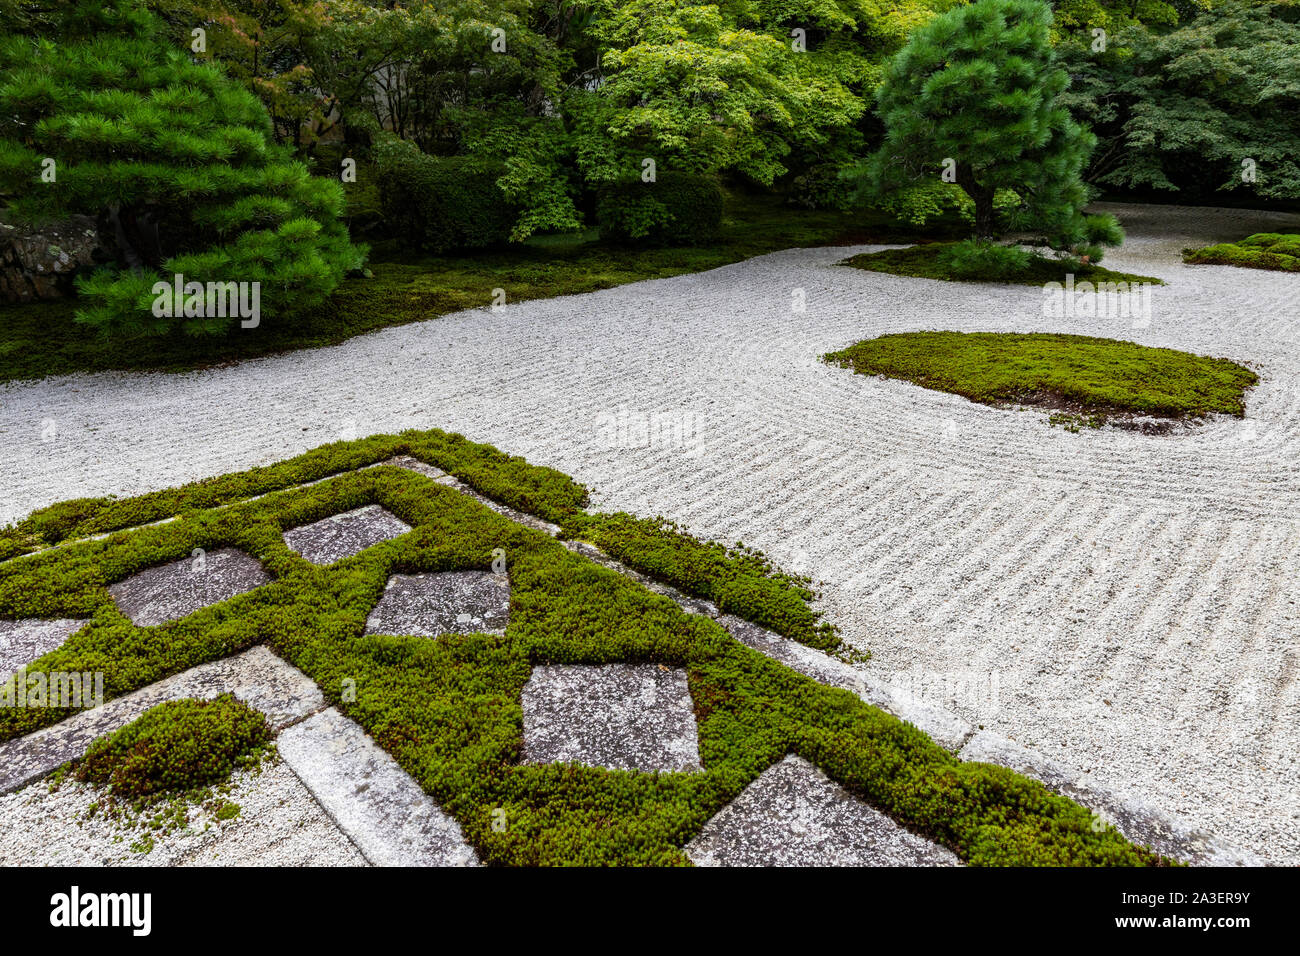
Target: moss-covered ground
1096,376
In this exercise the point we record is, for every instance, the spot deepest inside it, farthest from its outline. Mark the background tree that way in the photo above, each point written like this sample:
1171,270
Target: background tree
175,160
1185,108
977,90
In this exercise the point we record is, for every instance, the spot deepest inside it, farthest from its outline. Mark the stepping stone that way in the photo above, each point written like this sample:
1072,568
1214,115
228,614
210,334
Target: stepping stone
21,642
794,815
169,592
618,716
443,602
371,798
343,535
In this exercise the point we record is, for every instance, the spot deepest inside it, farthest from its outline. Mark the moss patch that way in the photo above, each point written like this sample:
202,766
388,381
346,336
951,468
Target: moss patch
176,746
449,710
1264,250
927,262
1073,372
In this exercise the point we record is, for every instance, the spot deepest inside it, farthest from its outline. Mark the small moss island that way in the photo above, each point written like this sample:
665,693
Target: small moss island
1277,251
1089,380
969,262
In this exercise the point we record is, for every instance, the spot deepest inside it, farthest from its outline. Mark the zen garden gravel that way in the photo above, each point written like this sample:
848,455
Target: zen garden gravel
1112,612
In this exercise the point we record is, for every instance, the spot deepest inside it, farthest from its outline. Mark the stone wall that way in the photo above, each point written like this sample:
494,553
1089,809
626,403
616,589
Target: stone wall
40,263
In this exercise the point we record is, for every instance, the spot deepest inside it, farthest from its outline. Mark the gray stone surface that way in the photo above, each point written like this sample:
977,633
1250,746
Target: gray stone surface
794,815
948,730
257,677
442,602
343,535
21,642
390,819
618,716
173,590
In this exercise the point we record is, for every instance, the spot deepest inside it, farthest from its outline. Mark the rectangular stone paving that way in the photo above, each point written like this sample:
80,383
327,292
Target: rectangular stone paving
794,815
170,591
343,535
21,642
443,602
372,799
617,716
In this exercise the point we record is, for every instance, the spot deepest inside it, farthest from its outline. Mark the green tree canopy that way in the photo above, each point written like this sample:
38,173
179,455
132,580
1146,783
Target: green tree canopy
976,92
1196,107
175,160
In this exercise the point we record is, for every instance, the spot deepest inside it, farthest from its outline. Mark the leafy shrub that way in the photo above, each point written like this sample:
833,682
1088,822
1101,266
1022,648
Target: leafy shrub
176,746
980,259
176,160
821,187
677,209
1264,250
444,203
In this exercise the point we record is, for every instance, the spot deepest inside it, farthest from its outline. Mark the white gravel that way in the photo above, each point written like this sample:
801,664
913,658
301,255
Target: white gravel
279,824
1124,603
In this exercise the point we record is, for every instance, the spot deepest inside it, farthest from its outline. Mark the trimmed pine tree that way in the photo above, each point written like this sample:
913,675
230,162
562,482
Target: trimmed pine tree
976,92
100,115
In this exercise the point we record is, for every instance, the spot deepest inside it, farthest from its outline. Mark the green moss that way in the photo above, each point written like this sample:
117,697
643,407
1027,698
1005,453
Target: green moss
1099,376
449,710
176,746
1264,250
937,260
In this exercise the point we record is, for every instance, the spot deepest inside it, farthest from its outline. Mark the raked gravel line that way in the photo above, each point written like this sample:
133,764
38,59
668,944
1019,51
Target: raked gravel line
1121,602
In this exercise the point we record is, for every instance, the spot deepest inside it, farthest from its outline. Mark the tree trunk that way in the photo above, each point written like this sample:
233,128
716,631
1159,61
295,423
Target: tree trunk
982,196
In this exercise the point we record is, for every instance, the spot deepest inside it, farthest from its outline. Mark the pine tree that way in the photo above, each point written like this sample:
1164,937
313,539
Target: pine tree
976,92
175,159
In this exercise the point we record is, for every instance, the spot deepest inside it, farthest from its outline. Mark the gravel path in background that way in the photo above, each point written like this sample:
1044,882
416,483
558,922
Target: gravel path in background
1124,603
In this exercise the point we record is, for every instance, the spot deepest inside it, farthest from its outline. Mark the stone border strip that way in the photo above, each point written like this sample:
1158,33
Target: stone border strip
376,805
367,794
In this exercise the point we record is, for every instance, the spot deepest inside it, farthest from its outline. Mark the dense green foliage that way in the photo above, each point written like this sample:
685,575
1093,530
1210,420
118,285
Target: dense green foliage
973,261
444,203
1264,250
176,746
1207,108
1101,375
676,209
173,158
449,710
977,90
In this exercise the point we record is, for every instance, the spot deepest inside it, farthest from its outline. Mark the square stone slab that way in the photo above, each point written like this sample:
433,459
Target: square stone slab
171,591
443,602
794,815
618,716
343,535
22,642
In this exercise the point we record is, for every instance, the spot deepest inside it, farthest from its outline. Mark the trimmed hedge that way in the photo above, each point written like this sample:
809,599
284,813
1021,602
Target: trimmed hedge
444,203
677,209
449,710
